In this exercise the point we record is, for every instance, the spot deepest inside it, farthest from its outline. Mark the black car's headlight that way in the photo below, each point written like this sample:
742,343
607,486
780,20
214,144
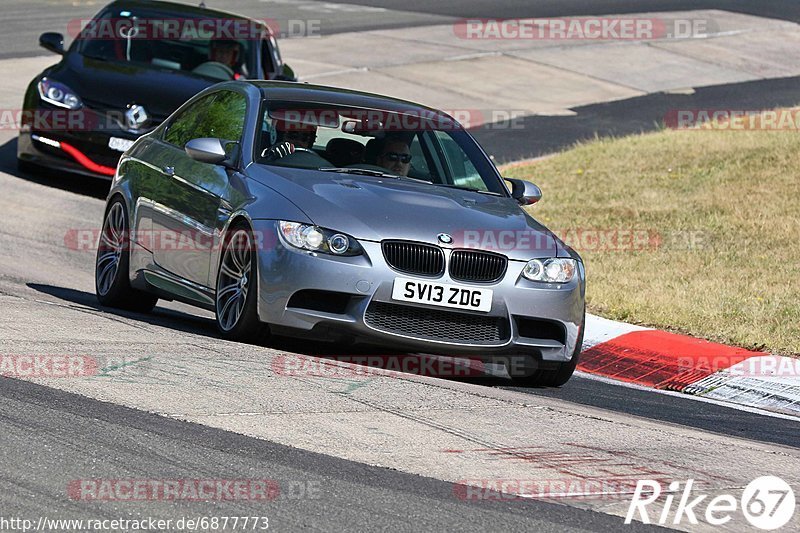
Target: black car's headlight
555,270
316,239
58,94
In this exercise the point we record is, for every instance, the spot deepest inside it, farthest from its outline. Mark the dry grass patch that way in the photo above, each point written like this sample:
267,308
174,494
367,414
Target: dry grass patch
723,212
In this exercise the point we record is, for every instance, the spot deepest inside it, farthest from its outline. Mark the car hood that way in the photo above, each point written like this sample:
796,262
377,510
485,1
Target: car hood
376,209
109,85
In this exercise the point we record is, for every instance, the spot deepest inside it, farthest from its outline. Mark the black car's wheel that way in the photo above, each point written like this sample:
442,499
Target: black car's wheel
112,284
236,300
558,376
26,167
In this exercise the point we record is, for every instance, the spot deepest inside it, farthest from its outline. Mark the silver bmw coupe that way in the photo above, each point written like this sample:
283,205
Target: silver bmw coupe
324,213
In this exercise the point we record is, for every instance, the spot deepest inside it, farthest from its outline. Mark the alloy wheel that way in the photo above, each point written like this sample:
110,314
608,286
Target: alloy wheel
234,280
112,244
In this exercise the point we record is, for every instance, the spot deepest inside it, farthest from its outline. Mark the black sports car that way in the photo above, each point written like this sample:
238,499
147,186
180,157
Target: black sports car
126,71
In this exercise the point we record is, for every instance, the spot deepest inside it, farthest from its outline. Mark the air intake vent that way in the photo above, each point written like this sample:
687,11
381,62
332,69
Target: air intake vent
432,324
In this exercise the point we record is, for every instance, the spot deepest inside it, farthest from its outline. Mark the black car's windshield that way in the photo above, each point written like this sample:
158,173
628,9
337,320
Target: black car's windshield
218,49
416,144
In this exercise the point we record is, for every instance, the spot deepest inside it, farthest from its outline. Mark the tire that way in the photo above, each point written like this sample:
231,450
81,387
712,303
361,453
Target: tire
111,280
26,167
558,376
236,295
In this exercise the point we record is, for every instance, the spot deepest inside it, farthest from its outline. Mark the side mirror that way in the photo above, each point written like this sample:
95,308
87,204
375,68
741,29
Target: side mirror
524,192
54,42
287,74
207,150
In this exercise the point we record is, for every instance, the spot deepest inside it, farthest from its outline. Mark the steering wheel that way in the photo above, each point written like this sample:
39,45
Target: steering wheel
298,149
215,70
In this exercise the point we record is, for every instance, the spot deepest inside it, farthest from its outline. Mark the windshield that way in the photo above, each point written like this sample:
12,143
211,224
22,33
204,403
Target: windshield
217,49
421,145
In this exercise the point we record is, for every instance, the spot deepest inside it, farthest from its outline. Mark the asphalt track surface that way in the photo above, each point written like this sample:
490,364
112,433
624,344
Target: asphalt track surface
50,437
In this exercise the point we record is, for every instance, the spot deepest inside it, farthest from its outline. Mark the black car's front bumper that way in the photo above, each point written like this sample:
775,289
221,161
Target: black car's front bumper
79,146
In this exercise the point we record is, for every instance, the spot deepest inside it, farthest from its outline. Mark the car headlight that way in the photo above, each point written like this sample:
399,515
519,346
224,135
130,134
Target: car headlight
555,270
316,239
58,94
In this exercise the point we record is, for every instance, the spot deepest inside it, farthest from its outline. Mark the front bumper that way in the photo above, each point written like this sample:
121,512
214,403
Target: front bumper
76,141
351,297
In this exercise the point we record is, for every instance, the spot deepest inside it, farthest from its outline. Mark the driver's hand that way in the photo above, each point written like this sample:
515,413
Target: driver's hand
278,151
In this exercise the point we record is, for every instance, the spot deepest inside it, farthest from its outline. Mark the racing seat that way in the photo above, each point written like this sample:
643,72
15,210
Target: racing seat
371,151
344,152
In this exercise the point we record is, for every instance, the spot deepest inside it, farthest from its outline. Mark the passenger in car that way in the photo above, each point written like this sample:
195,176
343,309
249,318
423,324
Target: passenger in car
395,156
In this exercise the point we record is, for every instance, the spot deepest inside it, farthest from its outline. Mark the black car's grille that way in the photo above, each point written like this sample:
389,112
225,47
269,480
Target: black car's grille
443,326
414,258
469,265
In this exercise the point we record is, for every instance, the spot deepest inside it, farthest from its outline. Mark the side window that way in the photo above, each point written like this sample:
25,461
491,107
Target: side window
224,118
461,170
220,115
183,128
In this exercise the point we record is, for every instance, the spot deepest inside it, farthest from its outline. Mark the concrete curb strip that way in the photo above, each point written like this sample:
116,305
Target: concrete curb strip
668,361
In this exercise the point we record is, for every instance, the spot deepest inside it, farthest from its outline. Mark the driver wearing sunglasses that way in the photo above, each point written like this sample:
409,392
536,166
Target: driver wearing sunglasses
395,156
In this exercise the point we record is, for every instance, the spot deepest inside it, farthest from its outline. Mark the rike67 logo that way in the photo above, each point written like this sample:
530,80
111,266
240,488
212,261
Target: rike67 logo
767,502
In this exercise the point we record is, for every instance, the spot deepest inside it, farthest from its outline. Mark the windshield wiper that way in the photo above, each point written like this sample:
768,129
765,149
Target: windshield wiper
370,172
464,188
96,57
360,172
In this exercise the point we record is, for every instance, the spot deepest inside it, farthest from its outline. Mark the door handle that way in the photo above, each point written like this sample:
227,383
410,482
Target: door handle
169,171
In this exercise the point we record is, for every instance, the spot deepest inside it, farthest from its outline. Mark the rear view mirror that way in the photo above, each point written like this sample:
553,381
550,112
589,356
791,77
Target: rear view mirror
207,150
524,192
54,42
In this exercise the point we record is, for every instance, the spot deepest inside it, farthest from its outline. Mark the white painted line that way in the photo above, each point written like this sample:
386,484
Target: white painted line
334,73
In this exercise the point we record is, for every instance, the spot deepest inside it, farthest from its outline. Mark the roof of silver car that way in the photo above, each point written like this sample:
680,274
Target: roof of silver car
305,92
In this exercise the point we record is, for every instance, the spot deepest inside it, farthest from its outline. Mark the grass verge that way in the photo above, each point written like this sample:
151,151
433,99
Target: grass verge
692,231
